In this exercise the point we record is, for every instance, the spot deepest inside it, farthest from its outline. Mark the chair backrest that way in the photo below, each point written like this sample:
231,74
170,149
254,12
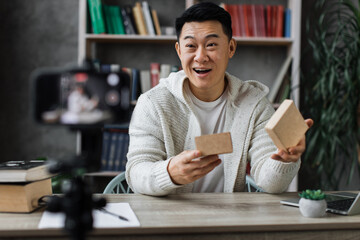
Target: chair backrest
117,185
251,185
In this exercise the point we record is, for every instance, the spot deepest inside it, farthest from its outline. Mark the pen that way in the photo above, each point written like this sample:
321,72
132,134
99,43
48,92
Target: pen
113,214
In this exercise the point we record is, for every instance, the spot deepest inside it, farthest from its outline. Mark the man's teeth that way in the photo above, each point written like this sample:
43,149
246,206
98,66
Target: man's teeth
202,70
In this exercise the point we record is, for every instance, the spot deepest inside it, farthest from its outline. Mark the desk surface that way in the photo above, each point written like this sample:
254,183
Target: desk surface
208,214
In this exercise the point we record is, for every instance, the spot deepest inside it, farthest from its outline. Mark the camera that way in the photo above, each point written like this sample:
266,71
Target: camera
80,96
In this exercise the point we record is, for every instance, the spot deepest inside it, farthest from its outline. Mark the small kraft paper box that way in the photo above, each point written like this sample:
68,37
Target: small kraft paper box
287,126
219,143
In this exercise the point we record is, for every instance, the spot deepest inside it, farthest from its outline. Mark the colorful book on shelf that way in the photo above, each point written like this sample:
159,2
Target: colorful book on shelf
97,17
287,22
119,155
135,85
279,79
240,10
145,82
139,19
23,197
105,149
117,19
148,18
260,13
268,22
108,23
156,22
287,126
246,22
127,20
24,171
112,150
154,74
165,70
279,32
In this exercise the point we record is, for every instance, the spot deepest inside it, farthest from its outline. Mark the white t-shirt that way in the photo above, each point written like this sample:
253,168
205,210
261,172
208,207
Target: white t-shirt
211,116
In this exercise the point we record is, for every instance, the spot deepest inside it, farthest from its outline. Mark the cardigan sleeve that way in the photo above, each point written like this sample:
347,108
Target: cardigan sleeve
271,175
146,169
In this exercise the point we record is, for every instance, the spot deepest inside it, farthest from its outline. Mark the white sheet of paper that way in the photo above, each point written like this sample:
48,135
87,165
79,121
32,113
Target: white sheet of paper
101,219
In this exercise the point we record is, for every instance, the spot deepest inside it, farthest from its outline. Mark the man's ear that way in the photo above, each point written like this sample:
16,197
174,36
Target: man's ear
232,48
177,47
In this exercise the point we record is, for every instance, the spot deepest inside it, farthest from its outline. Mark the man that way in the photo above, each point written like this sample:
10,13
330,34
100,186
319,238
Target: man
204,99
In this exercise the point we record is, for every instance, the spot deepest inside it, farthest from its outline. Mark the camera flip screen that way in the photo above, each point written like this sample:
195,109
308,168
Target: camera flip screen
79,97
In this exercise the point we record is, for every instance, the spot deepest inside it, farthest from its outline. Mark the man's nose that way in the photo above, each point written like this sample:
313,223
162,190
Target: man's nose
201,55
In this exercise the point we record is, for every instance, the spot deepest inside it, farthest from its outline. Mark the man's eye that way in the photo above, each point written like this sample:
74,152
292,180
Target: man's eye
211,45
189,45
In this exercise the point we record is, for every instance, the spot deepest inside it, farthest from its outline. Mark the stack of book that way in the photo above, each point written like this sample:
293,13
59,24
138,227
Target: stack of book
256,20
113,19
22,184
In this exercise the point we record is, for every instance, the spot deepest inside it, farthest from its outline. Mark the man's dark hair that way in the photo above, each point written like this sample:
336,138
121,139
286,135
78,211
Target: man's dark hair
205,11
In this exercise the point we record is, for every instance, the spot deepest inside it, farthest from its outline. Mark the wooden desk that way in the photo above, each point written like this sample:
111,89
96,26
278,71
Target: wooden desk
203,216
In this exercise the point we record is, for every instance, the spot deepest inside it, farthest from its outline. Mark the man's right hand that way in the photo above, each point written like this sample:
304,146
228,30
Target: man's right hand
188,166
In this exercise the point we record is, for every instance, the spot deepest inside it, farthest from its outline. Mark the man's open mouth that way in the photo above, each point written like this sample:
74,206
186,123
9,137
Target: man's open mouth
201,71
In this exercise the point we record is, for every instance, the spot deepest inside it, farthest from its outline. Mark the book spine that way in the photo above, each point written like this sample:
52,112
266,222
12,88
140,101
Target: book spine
148,18
280,21
112,149
145,82
135,85
154,74
268,21
129,28
287,25
107,17
130,14
92,13
156,22
139,19
118,20
119,152
105,150
254,20
99,17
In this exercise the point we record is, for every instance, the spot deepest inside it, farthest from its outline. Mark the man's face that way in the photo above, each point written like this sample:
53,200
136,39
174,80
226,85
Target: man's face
204,51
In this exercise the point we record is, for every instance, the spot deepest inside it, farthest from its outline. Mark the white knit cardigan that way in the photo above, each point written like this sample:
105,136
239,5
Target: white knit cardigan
163,125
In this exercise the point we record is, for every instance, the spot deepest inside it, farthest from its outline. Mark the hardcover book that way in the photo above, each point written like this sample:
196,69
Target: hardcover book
23,171
23,197
287,126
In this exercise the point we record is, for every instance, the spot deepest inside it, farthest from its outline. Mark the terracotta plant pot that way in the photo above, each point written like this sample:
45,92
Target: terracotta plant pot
312,208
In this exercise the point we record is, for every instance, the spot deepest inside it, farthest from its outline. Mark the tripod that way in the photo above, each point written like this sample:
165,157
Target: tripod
77,202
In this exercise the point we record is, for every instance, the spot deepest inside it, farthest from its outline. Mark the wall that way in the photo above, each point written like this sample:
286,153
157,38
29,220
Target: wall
33,34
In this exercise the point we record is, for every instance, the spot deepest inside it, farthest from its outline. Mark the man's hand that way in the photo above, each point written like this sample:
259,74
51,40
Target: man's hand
294,153
187,166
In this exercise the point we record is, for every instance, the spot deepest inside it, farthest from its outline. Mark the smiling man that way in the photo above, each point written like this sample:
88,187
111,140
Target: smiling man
204,99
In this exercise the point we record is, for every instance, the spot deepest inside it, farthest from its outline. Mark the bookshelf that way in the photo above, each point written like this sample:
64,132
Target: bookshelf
266,53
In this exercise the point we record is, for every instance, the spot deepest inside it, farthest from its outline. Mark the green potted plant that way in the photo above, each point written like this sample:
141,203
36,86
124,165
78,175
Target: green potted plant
312,203
331,91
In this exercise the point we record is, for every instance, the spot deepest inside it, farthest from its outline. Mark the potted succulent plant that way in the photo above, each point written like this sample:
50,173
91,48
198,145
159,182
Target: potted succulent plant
312,203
